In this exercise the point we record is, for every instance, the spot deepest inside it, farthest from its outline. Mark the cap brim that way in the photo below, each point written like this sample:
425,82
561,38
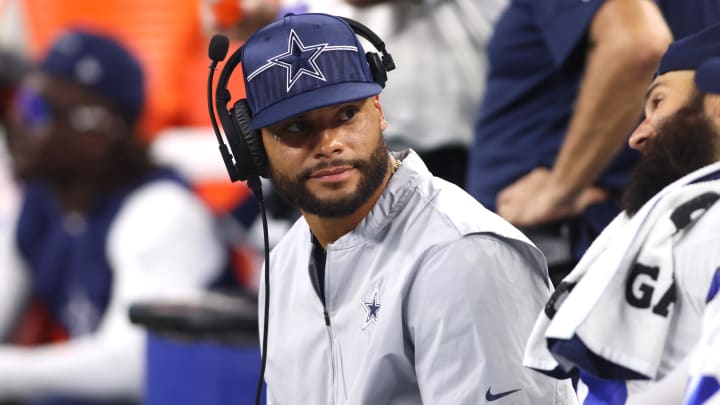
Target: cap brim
311,100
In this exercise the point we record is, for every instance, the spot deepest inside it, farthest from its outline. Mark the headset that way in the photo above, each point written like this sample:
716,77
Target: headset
248,160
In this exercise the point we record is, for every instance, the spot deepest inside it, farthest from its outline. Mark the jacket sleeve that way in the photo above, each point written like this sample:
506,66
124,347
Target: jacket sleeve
14,280
470,312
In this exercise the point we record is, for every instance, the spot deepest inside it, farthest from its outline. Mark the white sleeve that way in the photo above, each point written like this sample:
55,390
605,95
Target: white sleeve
470,313
698,256
704,365
14,281
667,391
161,245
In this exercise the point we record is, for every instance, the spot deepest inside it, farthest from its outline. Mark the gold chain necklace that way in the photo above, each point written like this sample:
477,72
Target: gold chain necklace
396,166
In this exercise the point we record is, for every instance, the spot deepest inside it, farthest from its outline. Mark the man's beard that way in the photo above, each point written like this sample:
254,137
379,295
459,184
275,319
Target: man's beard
373,171
684,143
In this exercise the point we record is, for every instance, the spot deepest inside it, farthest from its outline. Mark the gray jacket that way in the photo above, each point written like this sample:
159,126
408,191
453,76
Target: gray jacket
430,299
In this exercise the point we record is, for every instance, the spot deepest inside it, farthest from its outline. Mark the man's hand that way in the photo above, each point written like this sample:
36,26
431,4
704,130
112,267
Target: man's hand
536,199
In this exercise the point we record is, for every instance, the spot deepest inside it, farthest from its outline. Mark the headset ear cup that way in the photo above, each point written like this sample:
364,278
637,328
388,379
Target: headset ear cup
251,138
377,68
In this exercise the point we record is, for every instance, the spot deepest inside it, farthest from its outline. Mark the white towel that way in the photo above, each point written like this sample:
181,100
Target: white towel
616,315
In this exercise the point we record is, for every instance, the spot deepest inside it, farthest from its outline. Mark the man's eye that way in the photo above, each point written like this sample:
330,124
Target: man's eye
655,102
295,127
348,113
652,104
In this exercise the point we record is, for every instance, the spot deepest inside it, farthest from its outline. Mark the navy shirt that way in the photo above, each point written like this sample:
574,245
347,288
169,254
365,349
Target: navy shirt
68,262
537,58
67,255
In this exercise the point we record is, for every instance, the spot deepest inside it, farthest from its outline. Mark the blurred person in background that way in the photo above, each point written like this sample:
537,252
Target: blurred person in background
431,107
100,226
564,90
168,40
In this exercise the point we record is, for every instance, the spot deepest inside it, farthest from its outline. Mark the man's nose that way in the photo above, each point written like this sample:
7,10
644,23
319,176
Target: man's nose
329,142
644,132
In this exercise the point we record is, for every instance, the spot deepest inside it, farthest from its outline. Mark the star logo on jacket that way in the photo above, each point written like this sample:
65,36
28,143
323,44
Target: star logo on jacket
372,309
299,60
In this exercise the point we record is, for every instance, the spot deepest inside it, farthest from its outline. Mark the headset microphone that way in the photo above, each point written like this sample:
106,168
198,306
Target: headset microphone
248,160
217,51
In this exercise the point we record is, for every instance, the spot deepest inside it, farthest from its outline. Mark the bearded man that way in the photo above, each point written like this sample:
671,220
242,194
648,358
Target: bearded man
630,312
394,287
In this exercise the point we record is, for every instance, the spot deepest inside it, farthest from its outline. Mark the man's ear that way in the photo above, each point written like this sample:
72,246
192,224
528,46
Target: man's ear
378,107
712,110
712,107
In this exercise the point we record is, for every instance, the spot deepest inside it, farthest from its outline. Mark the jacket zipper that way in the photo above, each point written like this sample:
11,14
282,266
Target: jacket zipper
333,371
331,339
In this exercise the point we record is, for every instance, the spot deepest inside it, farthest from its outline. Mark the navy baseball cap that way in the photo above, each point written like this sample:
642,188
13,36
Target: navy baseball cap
707,76
301,63
101,64
690,52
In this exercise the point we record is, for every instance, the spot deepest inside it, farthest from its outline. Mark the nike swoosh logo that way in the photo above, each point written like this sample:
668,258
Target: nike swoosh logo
489,396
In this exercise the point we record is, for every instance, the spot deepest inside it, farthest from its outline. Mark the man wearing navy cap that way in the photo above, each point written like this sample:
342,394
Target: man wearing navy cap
637,297
394,286
99,226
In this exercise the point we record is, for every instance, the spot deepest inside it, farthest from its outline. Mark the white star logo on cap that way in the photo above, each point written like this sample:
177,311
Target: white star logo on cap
299,60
